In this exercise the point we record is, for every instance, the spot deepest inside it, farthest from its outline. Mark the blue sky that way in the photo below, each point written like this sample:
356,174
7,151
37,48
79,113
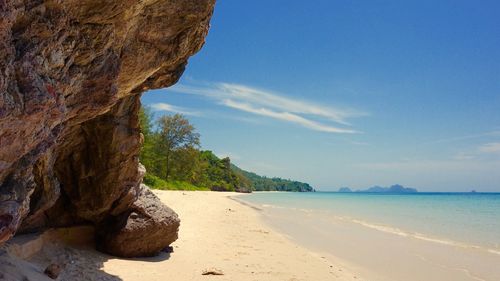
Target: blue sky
350,93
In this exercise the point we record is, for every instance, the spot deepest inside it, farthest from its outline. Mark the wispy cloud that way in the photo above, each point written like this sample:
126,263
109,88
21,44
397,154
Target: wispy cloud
269,104
463,156
493,147
465,137
434,166
172,108
285,116
482,152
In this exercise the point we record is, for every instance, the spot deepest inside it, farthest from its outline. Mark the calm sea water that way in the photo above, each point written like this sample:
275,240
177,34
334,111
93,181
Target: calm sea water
459,219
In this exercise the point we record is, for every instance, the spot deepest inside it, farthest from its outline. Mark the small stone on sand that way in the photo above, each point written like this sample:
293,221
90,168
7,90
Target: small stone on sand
212,271
53,270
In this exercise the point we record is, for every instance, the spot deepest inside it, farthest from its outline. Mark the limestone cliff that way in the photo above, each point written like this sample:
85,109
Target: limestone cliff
71,76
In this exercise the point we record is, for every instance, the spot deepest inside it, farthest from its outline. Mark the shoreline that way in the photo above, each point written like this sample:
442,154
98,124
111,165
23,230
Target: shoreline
218,231
378,253
248,241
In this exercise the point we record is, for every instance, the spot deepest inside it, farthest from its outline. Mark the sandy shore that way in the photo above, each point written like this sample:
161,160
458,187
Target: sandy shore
374,250
243,242
218,232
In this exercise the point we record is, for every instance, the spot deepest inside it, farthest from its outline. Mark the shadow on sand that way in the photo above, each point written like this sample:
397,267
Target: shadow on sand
25,257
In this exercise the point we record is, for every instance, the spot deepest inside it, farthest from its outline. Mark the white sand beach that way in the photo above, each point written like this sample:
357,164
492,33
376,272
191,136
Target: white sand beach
217,234
221,233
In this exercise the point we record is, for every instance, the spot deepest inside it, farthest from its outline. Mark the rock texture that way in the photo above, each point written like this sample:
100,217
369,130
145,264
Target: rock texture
147,217
71,75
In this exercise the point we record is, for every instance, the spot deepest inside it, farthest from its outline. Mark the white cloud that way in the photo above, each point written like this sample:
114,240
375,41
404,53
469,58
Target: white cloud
462,156
493,147
286,116
172,108
269,99
466,137
434,166
269,104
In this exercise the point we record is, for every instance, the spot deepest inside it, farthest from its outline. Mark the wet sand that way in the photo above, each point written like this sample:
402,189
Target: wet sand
377,254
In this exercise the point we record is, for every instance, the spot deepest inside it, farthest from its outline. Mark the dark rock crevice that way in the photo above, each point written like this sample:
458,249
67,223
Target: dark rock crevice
71,76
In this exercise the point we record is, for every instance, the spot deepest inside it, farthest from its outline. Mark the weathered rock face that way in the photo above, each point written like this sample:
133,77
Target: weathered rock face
71,75
147,217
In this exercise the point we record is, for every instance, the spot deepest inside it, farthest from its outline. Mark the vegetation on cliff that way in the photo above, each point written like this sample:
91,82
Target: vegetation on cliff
262,183
173,159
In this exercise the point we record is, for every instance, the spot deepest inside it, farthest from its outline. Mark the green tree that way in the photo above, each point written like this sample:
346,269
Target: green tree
184,164
175,134
173,160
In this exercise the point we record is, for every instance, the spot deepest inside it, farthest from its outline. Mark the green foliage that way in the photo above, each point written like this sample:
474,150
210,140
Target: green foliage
260,183
218,173
158,183
176,144
173,161
154,181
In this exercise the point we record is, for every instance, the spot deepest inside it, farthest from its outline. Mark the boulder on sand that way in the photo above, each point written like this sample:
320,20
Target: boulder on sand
124,235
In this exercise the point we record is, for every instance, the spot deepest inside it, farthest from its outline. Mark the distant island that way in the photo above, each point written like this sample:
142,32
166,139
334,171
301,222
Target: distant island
397,188
345,190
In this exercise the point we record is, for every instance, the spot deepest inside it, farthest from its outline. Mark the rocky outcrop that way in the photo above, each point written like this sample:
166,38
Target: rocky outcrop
71,76
147,217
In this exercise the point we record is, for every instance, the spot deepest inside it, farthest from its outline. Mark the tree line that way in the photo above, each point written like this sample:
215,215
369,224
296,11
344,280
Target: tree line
173,158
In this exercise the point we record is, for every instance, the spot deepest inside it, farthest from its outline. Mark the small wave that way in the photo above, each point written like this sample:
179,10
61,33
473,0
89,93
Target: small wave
496,252
272,206
388,229
392,230
420,236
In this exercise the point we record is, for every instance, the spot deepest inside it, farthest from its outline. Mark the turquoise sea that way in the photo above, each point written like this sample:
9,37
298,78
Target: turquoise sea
468,220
